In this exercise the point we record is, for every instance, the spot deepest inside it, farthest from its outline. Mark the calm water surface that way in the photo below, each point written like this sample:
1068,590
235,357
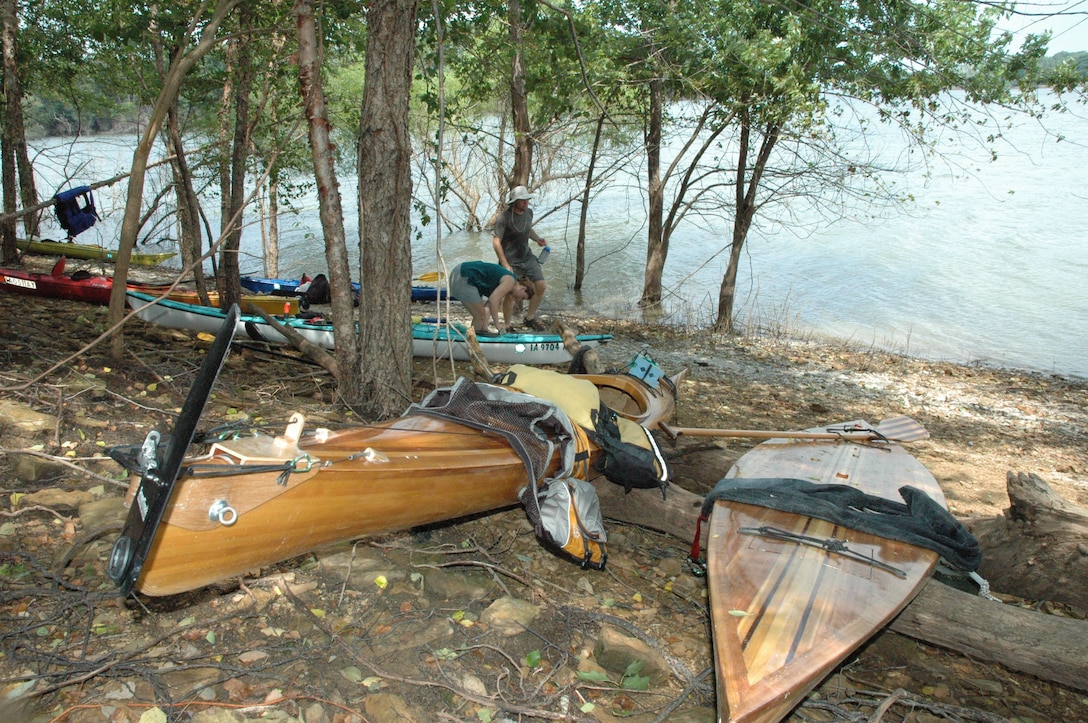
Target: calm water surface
989,266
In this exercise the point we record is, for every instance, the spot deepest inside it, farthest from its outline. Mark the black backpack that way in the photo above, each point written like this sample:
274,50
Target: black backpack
319,291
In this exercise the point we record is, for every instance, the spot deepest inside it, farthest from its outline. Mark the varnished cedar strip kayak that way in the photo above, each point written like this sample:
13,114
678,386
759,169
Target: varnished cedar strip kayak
784,615
389,476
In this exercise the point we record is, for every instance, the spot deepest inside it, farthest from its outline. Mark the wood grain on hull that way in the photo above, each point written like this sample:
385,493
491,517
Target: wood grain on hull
418,485
366,480
783,614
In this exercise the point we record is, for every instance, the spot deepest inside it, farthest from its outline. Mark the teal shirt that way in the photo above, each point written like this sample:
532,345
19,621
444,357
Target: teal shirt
483,276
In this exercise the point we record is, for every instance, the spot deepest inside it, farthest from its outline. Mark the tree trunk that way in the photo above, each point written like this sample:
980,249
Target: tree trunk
188,203
744,214
27,187
1039,548
580,255
14,128
230,288
179,68
12,122
519,102
385,197
328,197
655,191
272,242
7,227
1047,646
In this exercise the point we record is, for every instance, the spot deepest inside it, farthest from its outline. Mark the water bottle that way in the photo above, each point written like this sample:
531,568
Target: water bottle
544,254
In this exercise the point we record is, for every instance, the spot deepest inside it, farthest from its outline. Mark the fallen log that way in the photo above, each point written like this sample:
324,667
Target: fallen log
1046,646
586,360
476,354
312,351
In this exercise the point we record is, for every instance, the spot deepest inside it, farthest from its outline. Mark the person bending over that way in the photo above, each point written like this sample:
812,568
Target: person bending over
473,281
513,229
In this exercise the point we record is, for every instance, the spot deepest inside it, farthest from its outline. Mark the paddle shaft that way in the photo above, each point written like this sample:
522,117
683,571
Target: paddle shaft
858,436
675,432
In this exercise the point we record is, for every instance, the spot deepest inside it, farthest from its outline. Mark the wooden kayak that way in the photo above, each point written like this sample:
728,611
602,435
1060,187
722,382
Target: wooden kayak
73,250
255,500
786,612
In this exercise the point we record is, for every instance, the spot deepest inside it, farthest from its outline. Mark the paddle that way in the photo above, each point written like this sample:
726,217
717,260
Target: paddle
430,277
161,461
896,429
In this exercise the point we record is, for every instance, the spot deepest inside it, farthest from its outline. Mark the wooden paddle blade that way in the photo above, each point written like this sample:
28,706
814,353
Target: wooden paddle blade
903,429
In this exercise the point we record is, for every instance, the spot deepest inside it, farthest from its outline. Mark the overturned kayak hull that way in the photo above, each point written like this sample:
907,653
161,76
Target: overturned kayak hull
784,613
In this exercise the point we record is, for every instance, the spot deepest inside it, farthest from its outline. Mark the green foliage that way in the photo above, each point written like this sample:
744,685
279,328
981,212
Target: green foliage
632,680
13,571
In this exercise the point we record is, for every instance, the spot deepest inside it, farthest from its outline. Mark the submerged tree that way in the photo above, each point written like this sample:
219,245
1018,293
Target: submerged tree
770,76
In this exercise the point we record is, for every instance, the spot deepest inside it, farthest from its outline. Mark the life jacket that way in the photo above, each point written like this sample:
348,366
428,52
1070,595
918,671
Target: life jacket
75,210
564,509
632,458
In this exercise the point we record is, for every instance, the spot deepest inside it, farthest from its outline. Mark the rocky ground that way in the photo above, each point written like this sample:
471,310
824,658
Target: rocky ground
422,625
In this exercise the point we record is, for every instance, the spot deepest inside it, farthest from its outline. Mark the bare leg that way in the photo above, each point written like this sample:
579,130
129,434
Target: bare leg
534,303
479,314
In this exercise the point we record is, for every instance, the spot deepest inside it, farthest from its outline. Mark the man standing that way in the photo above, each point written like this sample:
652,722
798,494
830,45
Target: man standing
513,229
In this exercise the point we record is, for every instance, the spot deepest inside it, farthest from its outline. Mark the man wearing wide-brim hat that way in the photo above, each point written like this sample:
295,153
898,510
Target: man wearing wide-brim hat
513,230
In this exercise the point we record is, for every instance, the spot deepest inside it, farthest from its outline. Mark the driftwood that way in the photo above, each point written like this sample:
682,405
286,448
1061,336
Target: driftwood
1039,548
312,351
476,354
590,361
1047,646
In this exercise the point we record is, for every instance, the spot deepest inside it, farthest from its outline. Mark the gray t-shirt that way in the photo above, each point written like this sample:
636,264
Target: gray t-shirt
513,229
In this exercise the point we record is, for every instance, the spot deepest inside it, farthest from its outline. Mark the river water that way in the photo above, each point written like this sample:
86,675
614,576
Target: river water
989,266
